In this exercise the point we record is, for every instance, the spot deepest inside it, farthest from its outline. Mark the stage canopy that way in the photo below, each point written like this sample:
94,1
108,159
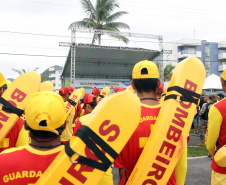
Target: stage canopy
106,62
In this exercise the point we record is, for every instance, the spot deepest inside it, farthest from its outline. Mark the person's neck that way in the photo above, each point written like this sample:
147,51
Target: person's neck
45,144
148,98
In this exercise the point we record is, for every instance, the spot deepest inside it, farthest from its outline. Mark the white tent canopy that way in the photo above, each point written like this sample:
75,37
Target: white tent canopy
212,82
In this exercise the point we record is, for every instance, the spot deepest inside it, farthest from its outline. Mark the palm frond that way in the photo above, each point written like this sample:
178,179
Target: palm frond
101,17
115,16
111,5
89,9
82,24
120,37
36,68
17,70
168,71
23,70
117,25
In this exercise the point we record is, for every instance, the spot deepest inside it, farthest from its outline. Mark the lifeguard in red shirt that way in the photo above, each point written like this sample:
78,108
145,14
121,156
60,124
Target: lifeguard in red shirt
18,136
45,120
216,133
96,92
145,81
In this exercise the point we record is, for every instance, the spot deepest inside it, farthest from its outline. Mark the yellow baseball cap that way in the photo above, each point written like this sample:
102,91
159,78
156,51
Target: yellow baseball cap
2,80
151,67
224,75
48,106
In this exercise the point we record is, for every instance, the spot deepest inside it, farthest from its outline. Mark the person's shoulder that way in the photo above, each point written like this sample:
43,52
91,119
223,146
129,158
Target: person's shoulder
19,124
151,106
82,119
13,150
220,104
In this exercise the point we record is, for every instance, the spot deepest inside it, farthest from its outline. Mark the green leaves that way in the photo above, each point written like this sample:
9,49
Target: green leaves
168,71
20,72
101,17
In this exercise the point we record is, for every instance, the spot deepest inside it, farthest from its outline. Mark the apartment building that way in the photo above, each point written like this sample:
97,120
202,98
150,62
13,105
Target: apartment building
212,54
53,74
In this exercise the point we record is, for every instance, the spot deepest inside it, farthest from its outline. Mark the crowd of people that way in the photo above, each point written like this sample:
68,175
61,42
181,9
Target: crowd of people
38,137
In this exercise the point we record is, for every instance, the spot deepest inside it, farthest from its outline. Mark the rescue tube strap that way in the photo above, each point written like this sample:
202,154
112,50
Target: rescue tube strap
186,95
72,102
90,138
8,107
101,96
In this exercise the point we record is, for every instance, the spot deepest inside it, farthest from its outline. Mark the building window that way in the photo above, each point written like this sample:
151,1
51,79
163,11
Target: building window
222,51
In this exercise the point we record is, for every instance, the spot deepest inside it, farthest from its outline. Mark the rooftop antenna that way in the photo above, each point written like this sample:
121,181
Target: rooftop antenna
194,33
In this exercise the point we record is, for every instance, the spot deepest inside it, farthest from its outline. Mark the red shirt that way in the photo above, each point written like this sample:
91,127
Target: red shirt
78,109
220,106
11,139
25,165
131,152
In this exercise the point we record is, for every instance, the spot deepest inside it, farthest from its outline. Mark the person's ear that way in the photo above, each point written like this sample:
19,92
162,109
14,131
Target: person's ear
158,84
65,124
25,125
132,84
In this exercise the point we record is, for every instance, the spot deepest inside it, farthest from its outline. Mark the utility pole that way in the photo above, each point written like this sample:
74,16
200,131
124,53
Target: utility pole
161,65
73,57
72,45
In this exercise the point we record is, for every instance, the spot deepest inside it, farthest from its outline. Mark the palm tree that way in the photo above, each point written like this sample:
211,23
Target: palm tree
23,70
101,17
168,71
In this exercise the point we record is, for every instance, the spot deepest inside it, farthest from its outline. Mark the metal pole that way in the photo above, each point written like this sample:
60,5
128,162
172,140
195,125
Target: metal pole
73,57
161,65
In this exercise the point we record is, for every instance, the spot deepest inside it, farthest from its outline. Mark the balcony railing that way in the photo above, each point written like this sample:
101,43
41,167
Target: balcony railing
221,56
221,67
52,75
188,53
222,44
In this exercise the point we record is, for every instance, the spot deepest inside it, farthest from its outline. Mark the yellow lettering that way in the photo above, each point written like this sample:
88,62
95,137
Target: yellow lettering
155,118
4,143
6,178
12,177
140,119
142,141
39,174
24,174
152,126
147,118
18,175
144,119
32,174
151,117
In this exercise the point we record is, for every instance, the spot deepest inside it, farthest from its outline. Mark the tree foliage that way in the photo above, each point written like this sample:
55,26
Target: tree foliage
21,71
168,71
101,16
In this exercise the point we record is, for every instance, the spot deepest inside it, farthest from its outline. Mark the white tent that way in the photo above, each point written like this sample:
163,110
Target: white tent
212,82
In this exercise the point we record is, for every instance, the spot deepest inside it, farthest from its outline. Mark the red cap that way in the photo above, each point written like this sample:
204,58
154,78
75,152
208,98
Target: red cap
160,89
117,89
89,98
63,91
70,89
121,89
95,91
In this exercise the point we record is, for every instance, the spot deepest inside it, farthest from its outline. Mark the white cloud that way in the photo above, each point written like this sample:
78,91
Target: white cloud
173,20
